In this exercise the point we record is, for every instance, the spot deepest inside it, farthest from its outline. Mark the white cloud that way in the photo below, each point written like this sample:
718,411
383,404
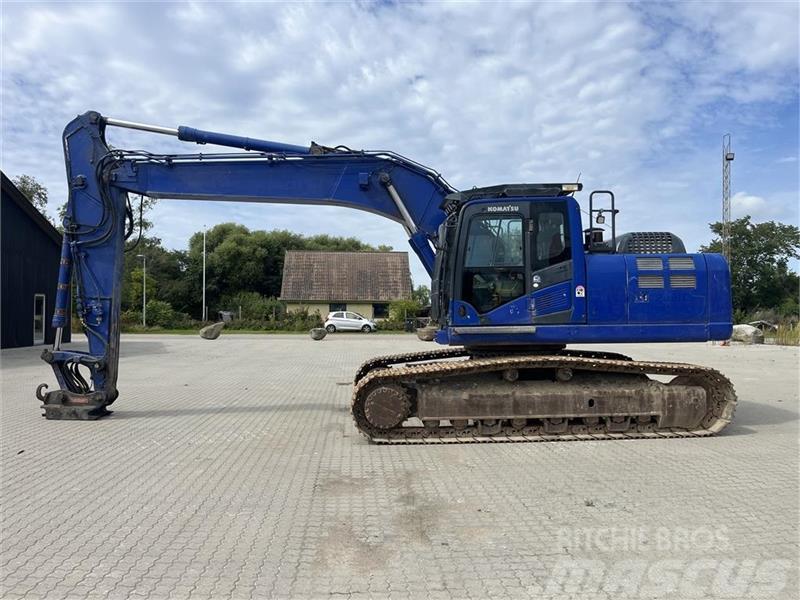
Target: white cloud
743,204
778,207
483,93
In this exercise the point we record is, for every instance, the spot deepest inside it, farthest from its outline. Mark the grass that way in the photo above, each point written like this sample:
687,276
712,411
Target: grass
784,336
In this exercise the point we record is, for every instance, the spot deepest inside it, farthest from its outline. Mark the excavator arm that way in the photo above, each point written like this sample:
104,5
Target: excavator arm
99,217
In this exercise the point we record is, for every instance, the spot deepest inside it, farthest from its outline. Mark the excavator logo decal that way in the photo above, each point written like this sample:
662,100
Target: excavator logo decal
506,208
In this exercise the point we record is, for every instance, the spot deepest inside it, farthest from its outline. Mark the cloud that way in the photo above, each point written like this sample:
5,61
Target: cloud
743,204
787,159
777,207
624,94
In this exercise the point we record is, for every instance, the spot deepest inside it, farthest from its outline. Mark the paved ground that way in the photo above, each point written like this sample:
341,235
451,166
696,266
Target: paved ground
231,469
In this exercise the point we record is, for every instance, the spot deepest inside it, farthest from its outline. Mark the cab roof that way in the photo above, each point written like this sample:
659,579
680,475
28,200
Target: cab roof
509,190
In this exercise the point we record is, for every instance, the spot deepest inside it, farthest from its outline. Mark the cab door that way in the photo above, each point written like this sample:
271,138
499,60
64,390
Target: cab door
491,285
550,247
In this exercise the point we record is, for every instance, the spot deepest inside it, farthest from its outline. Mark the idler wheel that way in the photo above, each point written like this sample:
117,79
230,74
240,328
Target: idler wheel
387,406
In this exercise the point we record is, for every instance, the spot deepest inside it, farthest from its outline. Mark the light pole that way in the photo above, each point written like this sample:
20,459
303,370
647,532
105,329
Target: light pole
144,288
727,159
203,316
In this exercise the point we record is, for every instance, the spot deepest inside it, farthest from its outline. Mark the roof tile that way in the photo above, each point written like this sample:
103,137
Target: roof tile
312,276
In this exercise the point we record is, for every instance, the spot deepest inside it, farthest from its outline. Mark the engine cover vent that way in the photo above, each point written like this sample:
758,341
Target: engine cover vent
649,264
650,242
683,281
678,263
651,282
551,301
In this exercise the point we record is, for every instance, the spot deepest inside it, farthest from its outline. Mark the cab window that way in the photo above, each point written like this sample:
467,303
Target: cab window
495,242
551,239
352,315
494,264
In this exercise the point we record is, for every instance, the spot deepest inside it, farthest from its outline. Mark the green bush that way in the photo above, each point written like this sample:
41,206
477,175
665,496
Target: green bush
182,320
275,309
160,314
400,310
295,321
130,318
301,321
388,325
254,306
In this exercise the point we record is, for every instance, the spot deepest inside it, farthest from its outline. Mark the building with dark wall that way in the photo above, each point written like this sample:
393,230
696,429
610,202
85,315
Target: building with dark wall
30,250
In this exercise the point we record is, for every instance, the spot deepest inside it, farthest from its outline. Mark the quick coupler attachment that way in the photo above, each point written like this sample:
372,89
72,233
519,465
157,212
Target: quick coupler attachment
61,405
75,400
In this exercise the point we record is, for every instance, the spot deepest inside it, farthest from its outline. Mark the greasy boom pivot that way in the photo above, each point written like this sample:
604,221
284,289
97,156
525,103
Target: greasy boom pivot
514,279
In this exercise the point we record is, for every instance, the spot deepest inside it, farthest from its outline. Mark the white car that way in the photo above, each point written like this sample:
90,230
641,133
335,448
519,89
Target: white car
345,320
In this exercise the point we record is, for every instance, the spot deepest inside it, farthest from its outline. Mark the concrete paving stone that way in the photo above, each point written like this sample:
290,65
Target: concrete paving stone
211,490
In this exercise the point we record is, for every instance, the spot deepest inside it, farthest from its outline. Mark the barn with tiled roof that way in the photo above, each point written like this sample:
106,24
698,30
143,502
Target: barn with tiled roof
361,282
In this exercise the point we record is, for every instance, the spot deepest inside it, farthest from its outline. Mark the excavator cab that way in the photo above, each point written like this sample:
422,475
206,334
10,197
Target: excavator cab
511,261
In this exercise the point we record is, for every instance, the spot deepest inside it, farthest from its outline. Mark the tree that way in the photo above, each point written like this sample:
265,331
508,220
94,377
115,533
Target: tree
133,293
34,191
400,310
166,276
422,295
141,205
760,255
243,268
241,260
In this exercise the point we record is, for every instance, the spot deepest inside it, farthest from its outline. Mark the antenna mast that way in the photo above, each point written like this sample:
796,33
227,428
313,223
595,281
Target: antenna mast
727,159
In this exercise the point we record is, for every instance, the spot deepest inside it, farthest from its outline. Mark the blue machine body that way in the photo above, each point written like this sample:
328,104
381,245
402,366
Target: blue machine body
615,308
572,295
602,298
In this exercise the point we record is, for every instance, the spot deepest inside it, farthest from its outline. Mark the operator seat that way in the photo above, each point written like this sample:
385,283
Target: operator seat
550,241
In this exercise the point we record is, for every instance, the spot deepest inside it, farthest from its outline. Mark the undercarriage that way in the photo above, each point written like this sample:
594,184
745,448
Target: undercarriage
461,395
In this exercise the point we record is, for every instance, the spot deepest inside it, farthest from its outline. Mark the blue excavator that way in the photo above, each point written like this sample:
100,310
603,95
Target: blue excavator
515,278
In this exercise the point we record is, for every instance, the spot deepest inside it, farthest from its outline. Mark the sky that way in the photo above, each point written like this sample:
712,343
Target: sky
632,97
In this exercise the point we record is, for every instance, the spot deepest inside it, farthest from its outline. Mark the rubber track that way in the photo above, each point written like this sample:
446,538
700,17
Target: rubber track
719,389
389,360
382,362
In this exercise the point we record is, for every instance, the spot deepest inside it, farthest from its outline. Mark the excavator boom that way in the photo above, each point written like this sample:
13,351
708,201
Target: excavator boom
99,218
